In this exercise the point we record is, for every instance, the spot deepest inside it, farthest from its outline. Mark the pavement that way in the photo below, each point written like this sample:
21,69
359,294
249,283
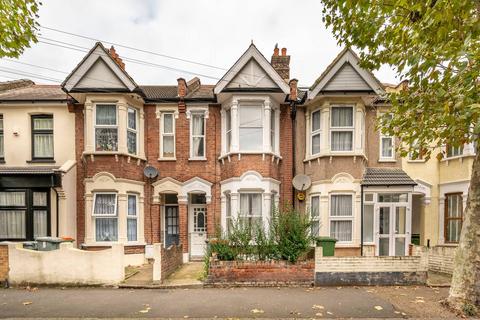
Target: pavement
275,303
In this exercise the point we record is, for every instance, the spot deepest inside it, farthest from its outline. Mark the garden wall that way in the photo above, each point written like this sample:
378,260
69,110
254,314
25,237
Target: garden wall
3,262
440,258
166,260
259,273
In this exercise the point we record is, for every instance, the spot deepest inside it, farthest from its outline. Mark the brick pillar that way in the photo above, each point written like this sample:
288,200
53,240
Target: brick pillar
211,222
183,224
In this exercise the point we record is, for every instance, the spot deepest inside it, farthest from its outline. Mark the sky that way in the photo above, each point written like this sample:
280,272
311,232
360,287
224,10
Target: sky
209,32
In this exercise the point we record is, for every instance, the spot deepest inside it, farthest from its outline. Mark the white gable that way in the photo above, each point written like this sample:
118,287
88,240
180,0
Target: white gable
346,79
252,75
100,76
252,61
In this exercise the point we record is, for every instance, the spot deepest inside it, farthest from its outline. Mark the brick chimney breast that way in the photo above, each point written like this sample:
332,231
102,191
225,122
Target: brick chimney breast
281,63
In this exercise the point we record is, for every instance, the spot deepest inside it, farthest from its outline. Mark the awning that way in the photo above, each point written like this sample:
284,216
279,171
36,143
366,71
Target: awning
29,177
386,177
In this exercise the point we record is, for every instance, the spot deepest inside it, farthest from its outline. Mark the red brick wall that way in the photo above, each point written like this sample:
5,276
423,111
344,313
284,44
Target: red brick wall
3,262
258,272
172,258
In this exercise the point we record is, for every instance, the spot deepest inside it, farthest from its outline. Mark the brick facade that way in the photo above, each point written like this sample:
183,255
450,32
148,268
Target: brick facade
4,264
172,258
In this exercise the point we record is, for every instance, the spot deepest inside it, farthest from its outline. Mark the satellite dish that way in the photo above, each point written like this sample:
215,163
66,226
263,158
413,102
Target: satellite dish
150,172
301,182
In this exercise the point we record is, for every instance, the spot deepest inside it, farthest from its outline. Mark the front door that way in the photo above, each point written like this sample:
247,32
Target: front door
392,237
171,225
198,229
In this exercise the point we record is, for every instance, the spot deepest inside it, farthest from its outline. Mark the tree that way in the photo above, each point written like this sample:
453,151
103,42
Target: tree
435,44
18,26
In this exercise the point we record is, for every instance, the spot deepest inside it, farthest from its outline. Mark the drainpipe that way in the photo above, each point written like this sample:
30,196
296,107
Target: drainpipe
361,220
56,209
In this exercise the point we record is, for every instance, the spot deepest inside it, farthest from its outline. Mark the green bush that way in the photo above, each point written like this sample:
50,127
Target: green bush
223,249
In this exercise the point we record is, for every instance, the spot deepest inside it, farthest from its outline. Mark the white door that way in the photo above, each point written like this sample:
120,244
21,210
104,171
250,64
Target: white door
198,230
391,224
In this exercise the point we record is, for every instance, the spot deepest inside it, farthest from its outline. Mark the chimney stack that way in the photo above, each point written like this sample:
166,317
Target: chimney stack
293,89
281,63
116,57
181,93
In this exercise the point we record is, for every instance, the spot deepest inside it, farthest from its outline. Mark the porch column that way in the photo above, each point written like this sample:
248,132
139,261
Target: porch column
183,221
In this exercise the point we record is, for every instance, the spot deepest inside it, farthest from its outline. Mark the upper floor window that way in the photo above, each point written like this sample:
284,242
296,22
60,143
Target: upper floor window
132,130
454,151
386,145
106,127
197,135
228,129
417,153
272,130
251,128
167,135
341,129
105,215
341,217
2,150
316,132
453,217
42,137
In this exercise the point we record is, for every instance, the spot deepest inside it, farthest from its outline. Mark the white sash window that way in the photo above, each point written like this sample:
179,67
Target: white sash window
105,215
315,215
42,137
341,128
316,132
106,127
167,135
251,209
251,128
132,217
132,130
197,135
341,217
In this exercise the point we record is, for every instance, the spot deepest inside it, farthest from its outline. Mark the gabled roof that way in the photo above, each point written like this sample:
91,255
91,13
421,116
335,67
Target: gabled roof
346,64
386,177
99,57
34,92
252,55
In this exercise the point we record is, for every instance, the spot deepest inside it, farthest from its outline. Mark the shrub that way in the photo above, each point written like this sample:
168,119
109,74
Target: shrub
222,248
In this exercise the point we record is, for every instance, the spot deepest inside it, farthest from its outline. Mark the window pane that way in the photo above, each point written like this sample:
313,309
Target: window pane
387,147
341,205
198,198
399,246
132,118
40,199
168,146
132,142
40,223
13,199
454,227
393,197
105,204
228,120
368,223
132,229
251,204
342,117
342,140
171,198
132,205
1,123
106,139
43,123
384,223
12,224
341,230
272,129
316,144
2,152
228,205
384,246
315,207
106,229
400,220
198,146
168,123
43,145
251,116
251,139
106,114
315,121
198,124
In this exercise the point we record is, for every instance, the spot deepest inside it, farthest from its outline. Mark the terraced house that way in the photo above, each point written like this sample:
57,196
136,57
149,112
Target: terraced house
106,161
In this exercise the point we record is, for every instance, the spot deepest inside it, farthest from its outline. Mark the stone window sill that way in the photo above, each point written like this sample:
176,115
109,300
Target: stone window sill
41,161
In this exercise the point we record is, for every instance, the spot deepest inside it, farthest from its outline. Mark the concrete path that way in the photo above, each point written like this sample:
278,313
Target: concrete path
189,274
206,303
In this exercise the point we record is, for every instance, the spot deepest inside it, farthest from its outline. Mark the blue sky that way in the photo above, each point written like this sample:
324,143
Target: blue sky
212,32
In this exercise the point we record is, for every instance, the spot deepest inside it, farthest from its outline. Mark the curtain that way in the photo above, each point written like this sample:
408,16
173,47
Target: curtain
168,146
342,117
341,230
256,204
315,207
132,229
341,205
387,147
132,118
40,199
39,223
106,139
106,114
342,140
106,229
244,208
168,123
12,224
132,142
132,205
43,123
43,145
105,204
12,199
198,133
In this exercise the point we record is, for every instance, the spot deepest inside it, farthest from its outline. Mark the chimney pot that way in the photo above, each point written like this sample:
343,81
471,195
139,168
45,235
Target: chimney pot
275,51
284,51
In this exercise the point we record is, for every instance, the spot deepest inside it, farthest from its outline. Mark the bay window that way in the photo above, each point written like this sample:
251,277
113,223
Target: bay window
132,130
251,128
228,129
167,135
341,128
228,211
105,215
197,135
316,132
250,209
341,217
453,217
272,129
106,127
42,137
315,215
132,217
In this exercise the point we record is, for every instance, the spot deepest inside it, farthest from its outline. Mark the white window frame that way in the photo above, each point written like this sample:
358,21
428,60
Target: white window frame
342,129
164,134
228,139
133,217
133,130
115,214
262,114
273,130
316,132
341,218
115,126
240,214
380,152
317,218
192,156
460,149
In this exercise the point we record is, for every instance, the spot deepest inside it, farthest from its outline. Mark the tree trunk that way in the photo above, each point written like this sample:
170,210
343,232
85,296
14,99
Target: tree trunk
465,287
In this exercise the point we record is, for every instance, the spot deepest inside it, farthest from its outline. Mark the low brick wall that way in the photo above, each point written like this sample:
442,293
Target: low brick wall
172,258
440,258
4,266
255,273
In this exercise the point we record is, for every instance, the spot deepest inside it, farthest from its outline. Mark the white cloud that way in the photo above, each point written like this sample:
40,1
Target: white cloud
212,32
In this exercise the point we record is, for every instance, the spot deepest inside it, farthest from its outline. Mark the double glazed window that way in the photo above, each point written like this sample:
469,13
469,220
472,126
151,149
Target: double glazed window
106,127
250,209
315,215
42,137
251,128
386,146
197,136
167,135
132,217
453,217
341,217
132,130
106,217
24,214
316,132
341,129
